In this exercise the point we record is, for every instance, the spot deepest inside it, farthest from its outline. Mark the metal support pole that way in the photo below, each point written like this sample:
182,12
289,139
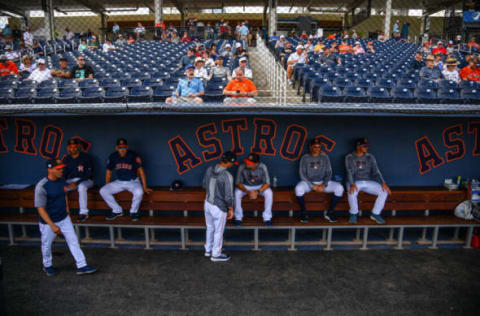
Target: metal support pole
388,18
329,239
119,230
152,231
10,235
456,233
103,21
435,238
158,8
357,235
292,232
77,231
400,238
87,232
147,238
49,22
112,237
365,239
324,234
391,233
24,230
182,236
255,237
468,240
272,19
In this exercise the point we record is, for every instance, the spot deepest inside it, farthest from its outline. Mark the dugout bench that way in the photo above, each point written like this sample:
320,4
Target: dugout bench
16,209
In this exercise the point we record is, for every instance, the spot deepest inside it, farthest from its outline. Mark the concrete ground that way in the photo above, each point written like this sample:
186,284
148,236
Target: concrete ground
154,282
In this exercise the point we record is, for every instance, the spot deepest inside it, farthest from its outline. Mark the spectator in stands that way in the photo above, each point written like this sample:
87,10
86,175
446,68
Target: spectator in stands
451,71
185,38
439,49
404,31
108,46
209,62
329,59
237,31
334,47
93,43
430,72
82,46
358,49
27,66
28,38
309,46
189,89
247,72
6,31
189,58
11,54
370,48
240,89
472,71
81,71
304,35
354,34
175,38
69,34
63,71
299,57
120,40
332,36
219,71
281,42
131,39
438,62
227,51
465,62
417,63
115,30
473,43
42,73
239,50
243,31
7,67
319,47
200,70
208,32
450,48
139,31
344,47
381,37
286,51
396,27
213,51
37,50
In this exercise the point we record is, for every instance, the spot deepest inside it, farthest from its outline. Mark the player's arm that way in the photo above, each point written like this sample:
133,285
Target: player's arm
108,176
67,207
141,174
239,179
229,198
266,183
377,175
302,172
40,200
350,169
46,218
328,173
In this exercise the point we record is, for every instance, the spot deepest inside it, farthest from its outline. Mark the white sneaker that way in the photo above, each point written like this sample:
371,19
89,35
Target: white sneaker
208,254
221,257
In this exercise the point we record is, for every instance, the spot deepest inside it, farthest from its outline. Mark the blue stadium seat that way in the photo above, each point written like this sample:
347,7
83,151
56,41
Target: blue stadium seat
109,82
68,95
62,84
152,82
141,75
314,87
428,84
379,95
46,95
471,96
162,92
407,84
449,96
6,94
371,76
402,95
115,94
92,94
342,82
9,84
448,84
47,84
355,94
364,83
327,93
26,84
469,84
426,95
131,82
24,95
386,83
88,83
140,94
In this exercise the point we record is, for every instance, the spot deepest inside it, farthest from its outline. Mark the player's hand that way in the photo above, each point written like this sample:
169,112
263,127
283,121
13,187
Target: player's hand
253,194
319,187
386,188
352,189
72,186
56,229
230,212
147,190
191,95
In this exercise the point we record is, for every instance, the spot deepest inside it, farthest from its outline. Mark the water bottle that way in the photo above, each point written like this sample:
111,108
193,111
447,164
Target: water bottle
174,97
275,181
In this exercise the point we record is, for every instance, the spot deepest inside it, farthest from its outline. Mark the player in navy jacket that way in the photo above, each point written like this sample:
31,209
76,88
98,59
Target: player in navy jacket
127,167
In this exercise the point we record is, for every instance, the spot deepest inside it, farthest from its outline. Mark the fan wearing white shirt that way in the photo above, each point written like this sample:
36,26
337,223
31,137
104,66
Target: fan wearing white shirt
28,38
42,73
300,56
243,66
108,46
450,72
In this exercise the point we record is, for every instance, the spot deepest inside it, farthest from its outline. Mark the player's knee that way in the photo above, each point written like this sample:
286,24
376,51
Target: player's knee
268,192
383,194
103,191
82,187
339,190
138,192
299,191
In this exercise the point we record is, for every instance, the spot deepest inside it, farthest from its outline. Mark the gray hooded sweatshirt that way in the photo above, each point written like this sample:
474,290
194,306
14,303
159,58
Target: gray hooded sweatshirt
363,168
218,183
315,169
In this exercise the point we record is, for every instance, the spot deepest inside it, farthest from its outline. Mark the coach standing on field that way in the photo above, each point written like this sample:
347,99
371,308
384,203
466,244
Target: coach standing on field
51,202
218,183
363,175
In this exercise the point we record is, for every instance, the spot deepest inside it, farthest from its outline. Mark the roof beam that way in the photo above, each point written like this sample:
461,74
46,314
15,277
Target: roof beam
178,5
12,9
92,5
441,6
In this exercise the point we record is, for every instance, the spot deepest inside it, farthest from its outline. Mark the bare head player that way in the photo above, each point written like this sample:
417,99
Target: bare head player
52,206
218,183
363,175
127,167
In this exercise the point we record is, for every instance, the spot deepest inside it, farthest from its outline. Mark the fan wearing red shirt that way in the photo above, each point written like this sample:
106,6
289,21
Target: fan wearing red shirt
439,49
7,67
472,71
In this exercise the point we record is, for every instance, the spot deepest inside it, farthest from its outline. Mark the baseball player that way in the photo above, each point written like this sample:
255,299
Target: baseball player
218,183
79,170
363,175
127,166
52,206
253,179
315,174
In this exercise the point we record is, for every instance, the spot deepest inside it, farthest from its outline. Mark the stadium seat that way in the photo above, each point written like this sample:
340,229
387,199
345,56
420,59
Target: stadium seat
141,75
448,84
342,82
355,94
449,96
68,95
471,96
386,83
6,94
92,95
327,93
46,95
364,83
426,95
407,84
27,84
131,82
469,84
115,94
87,83
67,83
140,94
314,87
162,92
403,95
9,84
109,82
152,82
379,95
428,84
24,95
47,84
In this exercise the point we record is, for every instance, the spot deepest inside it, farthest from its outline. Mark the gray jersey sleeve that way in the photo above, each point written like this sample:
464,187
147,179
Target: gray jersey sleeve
376,174
265,172
350,168
40,194
303,171
205,178
239,177
229,189
328,171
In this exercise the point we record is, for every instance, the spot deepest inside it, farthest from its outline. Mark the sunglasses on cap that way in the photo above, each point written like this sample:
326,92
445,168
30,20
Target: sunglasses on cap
122,146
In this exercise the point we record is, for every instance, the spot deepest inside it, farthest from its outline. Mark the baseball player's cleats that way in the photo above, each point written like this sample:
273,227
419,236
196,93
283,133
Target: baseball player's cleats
135,217
113,215
238,223
377,218
222,257
268,223
86,270
304,219
208,254
82,217
353,219
50,271
330,216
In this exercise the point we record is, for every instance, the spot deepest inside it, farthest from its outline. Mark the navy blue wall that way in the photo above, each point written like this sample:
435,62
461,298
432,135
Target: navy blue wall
393,144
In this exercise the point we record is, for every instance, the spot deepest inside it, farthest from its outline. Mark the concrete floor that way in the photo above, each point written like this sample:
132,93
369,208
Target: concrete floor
153,282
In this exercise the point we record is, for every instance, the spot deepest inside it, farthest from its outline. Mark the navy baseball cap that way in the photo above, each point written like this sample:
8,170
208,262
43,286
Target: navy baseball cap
362,142
252,159
55,163
315,141
229,156
188,66
122,141
73,141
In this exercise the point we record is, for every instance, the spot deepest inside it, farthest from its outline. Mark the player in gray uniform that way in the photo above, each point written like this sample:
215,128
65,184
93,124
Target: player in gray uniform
218,183
253,179
315,174
363,175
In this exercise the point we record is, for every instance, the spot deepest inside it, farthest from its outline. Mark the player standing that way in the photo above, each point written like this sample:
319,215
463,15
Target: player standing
363,175
79,170
127,166
52,206
253,179
315,174
218,183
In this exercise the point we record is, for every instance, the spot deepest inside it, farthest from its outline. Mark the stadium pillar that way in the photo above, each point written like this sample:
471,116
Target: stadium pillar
272,21
158,7
182,18
49,19
388,18
103,19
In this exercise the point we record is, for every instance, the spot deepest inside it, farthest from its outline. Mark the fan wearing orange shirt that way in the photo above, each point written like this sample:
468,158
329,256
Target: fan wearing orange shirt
344,48
7,67
240,89
473,44
472,71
